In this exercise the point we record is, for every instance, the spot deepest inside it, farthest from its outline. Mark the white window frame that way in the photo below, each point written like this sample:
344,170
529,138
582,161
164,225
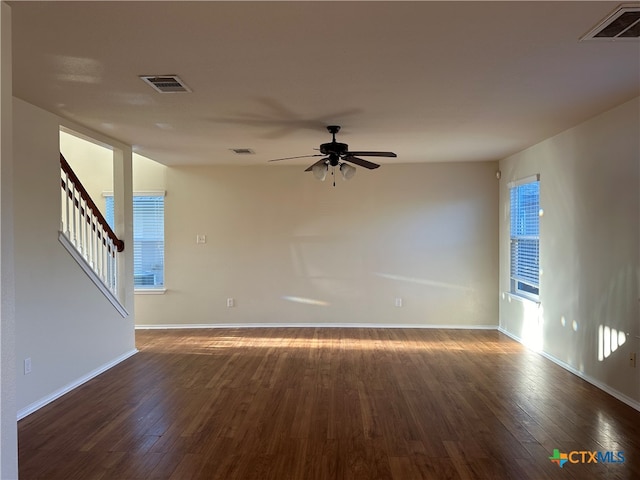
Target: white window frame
521,283
151,290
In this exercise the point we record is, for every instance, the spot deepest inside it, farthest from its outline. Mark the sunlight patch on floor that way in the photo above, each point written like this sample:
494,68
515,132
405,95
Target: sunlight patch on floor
197,345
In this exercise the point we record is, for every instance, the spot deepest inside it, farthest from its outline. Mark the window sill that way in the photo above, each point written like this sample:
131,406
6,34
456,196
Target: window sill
150,291
521,298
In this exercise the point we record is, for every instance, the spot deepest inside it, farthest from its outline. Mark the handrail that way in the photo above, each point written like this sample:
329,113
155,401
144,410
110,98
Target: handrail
66,168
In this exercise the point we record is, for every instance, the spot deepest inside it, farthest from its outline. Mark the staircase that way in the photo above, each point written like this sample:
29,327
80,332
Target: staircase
87,236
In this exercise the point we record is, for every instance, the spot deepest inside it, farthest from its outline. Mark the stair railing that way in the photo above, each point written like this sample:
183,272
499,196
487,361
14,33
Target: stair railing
86,229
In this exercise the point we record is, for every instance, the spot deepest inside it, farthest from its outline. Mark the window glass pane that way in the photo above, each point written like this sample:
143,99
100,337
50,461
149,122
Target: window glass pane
525,238
148,239
109,217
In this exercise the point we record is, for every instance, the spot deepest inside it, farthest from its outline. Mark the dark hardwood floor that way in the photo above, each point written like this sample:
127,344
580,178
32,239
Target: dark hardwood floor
304,403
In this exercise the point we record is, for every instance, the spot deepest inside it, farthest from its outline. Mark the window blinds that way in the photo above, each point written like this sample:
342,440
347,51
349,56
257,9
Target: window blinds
148,239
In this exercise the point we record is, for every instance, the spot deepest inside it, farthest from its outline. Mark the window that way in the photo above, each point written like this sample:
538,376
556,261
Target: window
525,237
148,238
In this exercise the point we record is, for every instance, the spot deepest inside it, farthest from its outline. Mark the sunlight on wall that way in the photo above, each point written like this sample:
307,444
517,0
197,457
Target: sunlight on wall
609,339
423,281
306,301
533,323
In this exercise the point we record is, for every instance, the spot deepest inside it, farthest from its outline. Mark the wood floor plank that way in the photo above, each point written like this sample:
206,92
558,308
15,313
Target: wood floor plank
328,403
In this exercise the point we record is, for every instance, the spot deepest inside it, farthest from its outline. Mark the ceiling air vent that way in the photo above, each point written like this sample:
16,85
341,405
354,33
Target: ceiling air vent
165,83
622,24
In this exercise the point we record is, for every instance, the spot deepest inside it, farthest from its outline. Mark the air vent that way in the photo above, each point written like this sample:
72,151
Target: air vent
165,83
242,151
622,24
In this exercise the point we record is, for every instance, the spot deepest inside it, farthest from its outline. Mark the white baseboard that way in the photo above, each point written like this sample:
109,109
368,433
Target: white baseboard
602,386
311,325
75,384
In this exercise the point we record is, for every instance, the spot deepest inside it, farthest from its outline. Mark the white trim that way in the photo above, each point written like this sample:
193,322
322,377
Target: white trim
522,298
522,181
91,136
28,410
149,291
602,386
170,326
92,275
144,193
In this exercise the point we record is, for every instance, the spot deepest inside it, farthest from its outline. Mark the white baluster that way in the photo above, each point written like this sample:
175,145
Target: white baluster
81,225
90,242
100,255
87,233
110,259
96,247
83,229
67,192
74,210
104,258
62,203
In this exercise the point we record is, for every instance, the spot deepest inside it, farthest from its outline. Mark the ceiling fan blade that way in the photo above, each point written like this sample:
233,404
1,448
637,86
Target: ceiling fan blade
301,156
361,162
372,154
319,162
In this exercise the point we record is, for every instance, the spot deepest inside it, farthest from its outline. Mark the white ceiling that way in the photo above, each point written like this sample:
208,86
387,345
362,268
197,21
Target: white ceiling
432,81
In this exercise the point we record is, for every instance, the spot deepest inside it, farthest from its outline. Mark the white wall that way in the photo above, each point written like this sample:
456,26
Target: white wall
425,233
8,428
589,249
148,176
93,165
63,322
277,238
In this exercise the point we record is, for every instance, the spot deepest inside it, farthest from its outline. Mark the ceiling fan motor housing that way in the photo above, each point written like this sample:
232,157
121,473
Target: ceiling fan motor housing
334,147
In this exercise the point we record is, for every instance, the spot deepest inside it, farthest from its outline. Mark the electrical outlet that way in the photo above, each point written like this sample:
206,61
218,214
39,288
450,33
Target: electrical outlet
398,302
201,239
27,366
632,359
231,302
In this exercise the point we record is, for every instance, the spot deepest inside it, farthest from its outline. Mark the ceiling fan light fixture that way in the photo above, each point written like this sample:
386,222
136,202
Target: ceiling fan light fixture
320,171
347,171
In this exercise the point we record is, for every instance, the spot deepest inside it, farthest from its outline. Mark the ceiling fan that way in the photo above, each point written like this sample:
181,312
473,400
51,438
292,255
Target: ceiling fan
335,155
